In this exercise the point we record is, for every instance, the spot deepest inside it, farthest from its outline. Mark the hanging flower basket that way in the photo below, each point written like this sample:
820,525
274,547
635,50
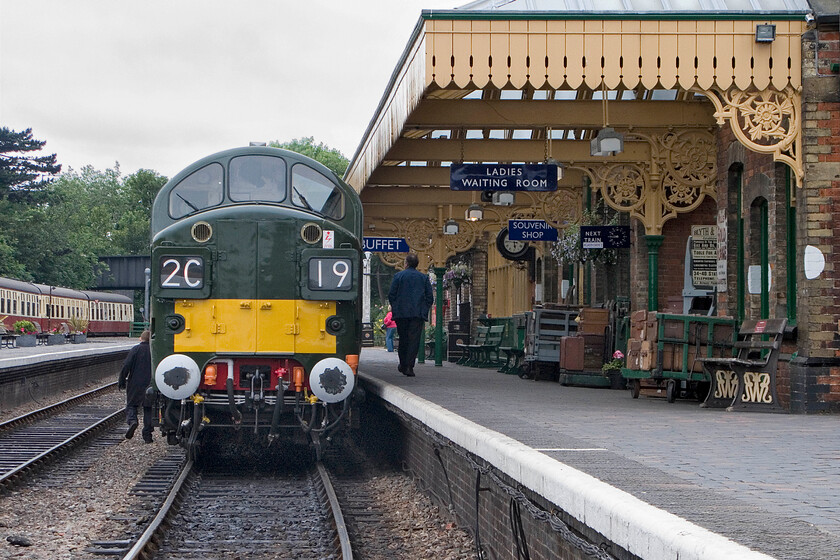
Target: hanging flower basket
457,275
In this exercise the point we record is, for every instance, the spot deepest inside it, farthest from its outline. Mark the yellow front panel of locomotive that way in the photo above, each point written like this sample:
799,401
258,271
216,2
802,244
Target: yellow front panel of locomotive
255,326
277,326
217,325
313,337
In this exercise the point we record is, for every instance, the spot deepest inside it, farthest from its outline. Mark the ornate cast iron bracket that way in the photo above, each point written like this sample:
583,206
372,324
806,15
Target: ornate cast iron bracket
681,173
767,122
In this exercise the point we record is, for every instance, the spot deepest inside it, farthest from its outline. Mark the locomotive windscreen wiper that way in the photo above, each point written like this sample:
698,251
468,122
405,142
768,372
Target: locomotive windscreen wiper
302,199
190,204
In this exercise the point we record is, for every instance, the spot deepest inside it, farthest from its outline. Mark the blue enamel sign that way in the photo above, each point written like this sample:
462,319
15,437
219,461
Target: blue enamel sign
502,177
605,237
531,230
385,245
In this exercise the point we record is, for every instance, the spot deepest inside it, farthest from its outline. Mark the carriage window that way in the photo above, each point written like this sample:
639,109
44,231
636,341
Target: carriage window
315,192
199,190
257,178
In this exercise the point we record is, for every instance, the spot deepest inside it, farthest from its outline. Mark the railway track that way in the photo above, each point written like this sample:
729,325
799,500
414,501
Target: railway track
31,441
288,512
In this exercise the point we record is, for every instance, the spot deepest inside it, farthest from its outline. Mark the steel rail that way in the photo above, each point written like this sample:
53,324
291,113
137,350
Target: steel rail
7,478
147,542
338,517
53,408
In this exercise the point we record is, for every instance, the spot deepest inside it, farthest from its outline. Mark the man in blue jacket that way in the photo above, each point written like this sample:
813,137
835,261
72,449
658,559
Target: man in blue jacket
411,299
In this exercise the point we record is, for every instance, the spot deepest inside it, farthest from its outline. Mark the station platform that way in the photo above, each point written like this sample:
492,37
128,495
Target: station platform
768,482
17,357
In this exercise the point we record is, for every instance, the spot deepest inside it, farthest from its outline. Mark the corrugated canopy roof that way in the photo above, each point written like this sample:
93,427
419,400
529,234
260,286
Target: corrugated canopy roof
637,6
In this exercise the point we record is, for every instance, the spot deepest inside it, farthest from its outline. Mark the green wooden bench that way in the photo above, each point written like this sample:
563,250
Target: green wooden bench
513,345
472,352
489,354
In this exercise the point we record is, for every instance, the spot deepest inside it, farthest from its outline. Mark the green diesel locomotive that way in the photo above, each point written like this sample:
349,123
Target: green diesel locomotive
255,297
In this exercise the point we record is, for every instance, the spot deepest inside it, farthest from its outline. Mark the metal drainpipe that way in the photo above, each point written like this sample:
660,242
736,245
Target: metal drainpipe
654,242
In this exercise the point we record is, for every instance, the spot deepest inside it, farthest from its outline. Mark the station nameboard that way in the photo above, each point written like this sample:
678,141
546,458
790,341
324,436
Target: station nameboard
503,177
605,237
385,245
531,230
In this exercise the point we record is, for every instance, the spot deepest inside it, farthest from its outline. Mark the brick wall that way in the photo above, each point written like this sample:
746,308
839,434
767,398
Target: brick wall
815,372
671,255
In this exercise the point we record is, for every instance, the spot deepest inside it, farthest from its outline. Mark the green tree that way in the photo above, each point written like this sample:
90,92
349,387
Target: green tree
21,176
131,231
83,215
330,157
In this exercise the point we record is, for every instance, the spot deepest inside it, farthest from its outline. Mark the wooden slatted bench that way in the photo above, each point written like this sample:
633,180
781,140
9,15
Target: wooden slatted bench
513,345
489,353
748,380
472,352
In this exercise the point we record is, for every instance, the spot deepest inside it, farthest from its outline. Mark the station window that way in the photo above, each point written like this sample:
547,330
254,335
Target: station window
257,178
199,190
315,192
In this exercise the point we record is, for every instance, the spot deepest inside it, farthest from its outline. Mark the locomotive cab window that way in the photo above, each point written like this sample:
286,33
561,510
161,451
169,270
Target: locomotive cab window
257,178
199,190
315,192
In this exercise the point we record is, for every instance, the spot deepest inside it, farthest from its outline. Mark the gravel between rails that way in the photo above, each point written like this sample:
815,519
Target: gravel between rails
61,522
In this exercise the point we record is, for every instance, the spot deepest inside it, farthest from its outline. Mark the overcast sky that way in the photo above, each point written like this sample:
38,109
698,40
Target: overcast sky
160,84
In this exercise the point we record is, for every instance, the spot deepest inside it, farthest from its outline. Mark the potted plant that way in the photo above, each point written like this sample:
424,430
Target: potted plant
55,336
612,369
78,329
26,332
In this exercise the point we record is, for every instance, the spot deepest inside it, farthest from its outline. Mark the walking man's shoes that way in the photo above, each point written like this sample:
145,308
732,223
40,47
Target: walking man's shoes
131,429
409,372
401,368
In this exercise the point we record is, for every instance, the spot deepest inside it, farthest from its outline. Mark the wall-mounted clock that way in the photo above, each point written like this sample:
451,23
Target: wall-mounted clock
510,249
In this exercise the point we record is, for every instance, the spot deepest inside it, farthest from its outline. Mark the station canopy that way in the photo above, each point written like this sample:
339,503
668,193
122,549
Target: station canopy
530,81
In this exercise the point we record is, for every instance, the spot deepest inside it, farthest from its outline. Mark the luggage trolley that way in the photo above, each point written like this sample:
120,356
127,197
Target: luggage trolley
665,348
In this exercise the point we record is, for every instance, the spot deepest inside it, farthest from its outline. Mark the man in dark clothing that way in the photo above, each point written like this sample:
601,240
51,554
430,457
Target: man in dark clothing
411,299
135,377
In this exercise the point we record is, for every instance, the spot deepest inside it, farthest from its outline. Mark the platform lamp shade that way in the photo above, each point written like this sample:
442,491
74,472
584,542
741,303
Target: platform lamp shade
504,198
450,227
607,142
474,213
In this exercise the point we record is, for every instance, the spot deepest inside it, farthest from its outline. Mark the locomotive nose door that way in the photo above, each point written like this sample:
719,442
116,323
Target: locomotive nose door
256,305
277,283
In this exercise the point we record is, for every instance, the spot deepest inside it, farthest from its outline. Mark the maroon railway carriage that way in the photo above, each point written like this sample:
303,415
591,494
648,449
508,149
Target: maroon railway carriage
50,306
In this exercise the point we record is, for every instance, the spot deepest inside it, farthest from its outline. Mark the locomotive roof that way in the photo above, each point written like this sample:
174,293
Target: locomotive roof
160,213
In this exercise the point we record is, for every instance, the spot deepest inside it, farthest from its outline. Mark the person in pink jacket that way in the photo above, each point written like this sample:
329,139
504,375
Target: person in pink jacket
390,328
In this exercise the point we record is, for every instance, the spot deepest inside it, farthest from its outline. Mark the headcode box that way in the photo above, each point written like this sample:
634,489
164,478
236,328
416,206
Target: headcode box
531,230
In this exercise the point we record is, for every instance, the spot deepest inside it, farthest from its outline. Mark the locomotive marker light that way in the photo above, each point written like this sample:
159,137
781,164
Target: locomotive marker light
332,380
177,376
